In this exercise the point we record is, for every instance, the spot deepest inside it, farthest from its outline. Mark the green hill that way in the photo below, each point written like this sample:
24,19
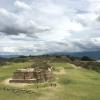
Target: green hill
73,83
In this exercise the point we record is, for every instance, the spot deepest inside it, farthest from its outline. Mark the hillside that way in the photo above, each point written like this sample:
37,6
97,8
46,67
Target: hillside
72,83
92,54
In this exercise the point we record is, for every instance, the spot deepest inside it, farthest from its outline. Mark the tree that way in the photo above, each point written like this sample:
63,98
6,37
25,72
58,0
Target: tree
86,58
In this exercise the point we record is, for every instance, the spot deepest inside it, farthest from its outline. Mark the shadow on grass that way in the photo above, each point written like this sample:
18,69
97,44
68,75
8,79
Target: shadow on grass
65,81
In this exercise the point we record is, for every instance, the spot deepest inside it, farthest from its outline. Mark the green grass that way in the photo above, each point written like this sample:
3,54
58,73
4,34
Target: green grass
74,84
7,70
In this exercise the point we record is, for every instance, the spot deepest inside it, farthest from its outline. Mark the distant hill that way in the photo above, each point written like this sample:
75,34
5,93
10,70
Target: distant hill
91,54
8,56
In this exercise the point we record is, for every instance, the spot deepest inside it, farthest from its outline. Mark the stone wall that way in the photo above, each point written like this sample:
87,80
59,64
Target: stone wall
23,75
22,81
29,75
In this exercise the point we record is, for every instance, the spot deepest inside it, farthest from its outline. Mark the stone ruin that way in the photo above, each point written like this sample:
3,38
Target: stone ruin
37,73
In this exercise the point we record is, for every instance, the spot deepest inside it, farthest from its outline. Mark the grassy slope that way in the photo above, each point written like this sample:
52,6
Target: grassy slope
79,84
73,84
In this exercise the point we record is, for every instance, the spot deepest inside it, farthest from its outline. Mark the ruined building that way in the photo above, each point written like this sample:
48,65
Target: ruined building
36,73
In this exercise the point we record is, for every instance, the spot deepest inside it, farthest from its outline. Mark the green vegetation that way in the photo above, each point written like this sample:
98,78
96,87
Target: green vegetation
91,65
6,71
73,83
40,64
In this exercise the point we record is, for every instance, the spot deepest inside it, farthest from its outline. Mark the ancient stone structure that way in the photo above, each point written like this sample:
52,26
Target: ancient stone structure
36,73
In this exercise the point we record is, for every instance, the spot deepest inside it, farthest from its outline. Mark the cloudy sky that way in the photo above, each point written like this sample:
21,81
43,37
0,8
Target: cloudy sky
45,26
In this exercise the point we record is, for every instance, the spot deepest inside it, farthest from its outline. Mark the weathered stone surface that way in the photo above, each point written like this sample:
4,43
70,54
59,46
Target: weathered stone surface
22,81
30,75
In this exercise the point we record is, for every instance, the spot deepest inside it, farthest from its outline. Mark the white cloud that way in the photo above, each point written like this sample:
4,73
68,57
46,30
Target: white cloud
49,8
3,12
22,6
9,49
87,44
41,25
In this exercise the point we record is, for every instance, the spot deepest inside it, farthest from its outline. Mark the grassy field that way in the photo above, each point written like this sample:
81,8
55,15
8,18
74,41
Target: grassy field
73,83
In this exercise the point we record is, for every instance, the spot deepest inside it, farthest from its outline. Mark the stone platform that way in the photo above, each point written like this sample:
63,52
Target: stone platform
22,81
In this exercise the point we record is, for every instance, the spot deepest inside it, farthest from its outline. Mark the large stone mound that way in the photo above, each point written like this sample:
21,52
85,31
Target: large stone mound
38,72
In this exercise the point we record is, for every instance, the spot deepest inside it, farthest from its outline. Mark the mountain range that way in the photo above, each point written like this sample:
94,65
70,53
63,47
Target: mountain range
91,54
